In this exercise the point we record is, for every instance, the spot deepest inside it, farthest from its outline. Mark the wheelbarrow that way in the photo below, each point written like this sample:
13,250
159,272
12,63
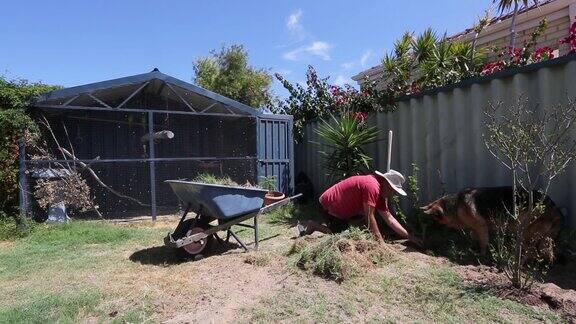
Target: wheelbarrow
228,205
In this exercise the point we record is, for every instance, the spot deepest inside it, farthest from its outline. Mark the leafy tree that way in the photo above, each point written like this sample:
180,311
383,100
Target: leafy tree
228,73
15,97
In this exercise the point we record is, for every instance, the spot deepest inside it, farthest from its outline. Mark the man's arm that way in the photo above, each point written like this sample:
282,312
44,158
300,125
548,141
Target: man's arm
371,222
397,227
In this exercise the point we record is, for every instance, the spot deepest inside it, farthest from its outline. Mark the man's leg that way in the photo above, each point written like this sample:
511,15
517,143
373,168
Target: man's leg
313,226
333,225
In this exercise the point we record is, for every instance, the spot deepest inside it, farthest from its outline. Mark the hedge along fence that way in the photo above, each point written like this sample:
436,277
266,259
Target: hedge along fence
441,132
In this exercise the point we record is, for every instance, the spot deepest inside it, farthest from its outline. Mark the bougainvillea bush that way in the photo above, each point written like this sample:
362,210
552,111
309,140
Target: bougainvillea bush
319,99
508,57
570,40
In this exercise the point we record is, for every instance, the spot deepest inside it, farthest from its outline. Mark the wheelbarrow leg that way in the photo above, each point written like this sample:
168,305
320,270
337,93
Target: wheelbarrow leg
218,238
238,240
256,232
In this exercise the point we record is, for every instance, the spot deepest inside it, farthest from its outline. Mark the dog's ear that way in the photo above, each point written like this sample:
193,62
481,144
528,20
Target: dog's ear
427,209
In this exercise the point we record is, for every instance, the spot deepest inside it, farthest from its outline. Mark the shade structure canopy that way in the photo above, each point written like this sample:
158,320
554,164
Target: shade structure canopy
153,89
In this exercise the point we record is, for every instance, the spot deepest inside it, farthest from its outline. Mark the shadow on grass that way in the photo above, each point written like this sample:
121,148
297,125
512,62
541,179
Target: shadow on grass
291,214
165,256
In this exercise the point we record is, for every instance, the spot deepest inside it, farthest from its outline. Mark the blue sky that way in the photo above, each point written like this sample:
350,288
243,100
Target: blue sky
76,42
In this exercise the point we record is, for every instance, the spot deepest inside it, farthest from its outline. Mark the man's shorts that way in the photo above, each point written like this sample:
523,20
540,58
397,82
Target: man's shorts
335,224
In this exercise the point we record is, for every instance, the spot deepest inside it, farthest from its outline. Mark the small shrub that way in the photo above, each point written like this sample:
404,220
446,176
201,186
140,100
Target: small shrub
268,183
415,221
341,256
9,229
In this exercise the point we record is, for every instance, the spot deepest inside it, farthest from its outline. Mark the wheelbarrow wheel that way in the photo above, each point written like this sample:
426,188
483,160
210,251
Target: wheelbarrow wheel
198,247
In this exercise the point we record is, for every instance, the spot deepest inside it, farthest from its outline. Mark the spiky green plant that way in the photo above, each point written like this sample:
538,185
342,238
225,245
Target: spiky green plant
345,138
403,45
423,46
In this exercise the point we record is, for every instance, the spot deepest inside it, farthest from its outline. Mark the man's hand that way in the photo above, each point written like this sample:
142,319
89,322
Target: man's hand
371,223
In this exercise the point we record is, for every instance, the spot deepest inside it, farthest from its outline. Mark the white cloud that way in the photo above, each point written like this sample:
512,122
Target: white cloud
284,71
342,80
318,48
348,65
365,57
293,23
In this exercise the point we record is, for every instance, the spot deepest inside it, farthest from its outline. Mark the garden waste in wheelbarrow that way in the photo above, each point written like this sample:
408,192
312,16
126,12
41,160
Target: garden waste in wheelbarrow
228,205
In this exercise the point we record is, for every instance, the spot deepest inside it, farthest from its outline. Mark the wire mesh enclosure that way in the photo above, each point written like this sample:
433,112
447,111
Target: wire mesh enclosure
128,136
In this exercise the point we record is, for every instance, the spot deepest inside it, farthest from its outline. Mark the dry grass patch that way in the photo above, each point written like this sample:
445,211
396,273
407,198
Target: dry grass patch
341,256
258,259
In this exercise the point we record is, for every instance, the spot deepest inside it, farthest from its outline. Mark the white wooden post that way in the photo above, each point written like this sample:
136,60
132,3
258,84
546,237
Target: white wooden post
390,135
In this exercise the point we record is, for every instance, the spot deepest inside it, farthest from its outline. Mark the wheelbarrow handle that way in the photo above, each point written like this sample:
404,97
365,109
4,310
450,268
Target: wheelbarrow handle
278,203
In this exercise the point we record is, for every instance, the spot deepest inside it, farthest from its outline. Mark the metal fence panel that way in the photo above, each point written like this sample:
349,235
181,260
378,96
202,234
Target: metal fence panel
276,150
442,133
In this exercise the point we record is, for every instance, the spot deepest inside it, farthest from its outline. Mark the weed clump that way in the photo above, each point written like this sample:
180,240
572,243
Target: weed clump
341,256
258,259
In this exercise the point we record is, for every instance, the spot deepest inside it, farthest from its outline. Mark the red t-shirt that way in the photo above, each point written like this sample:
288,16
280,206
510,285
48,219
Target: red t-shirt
346,199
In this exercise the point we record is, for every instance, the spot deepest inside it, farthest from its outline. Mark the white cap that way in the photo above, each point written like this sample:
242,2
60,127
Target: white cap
395,179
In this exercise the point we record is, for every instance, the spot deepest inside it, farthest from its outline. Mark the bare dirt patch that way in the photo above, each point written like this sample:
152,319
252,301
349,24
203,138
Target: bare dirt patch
544,295
556,294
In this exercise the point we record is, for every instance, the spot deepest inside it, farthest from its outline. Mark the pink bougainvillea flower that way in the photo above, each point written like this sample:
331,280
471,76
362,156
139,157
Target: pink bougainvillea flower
359,116
492,67
543,53
570,39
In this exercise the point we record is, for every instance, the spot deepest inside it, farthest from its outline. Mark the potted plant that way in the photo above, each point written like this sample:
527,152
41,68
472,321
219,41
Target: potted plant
272,196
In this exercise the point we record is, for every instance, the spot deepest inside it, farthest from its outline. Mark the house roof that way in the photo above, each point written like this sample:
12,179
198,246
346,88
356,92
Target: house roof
505,16
543,8
122,92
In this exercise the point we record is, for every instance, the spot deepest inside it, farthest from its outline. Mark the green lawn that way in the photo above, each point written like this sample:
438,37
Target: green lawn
101,272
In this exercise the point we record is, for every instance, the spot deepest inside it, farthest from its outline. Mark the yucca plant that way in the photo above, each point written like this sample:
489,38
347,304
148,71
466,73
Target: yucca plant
423,45
345,138
466,59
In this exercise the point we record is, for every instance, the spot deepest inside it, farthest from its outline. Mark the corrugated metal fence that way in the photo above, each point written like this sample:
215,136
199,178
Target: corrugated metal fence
441,132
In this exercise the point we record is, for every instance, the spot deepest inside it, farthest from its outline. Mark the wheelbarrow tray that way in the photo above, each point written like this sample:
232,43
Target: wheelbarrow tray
217,201
230,205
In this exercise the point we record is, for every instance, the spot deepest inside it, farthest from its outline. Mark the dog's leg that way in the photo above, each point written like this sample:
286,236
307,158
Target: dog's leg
474,236
483,238
477,224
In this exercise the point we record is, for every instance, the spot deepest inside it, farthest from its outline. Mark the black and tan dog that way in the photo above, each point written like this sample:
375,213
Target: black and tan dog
481,210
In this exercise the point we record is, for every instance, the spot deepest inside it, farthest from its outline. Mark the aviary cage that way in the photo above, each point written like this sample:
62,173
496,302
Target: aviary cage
138,131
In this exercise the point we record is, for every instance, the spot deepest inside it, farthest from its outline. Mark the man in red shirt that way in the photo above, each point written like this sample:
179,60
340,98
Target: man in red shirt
361,196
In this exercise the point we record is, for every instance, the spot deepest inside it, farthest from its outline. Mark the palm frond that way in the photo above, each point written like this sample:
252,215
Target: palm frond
506,5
